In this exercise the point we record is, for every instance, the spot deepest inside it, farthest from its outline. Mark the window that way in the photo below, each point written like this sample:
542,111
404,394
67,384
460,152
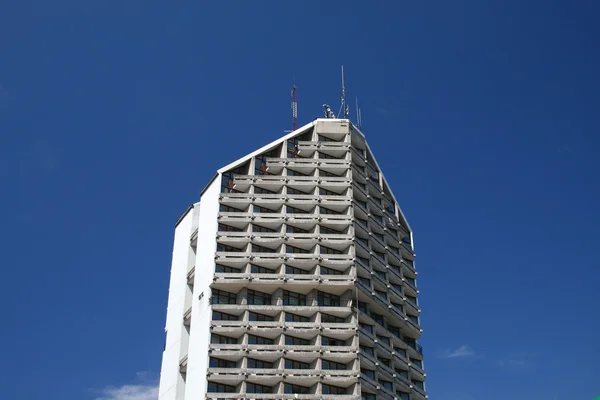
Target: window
219,316
218,363
259,209
401,352
411,281
329,174
363,204
256,388
258,298
387,385
402,396
227,185
260,163
223,297
368,328
295,271
364,261
380,274
331,318
291,172
379,254
293,298
293,229
258,228
368,373
325,192
398,307
383,339
214,387
294,210
416,362
419,384
253,339
227,228
259,190
224,208
411,299
394,250
381,294
377,318
363,241
326,364
297,250
252,363
362,307
295,191
255,269
401,373
294,341
361,185
325,156
327,299
259,317
289,317
229,249
367,350
328,250
218,339
226,269
378,235
324,210
364,281
325,341
293,364
288,388
385,361
377,218
327,230
329,389
262,249
367,396
329,271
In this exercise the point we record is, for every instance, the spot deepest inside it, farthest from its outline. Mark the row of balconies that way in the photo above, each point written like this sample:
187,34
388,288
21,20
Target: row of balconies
335,330
244,199
229,237
409,324
303,183
311,219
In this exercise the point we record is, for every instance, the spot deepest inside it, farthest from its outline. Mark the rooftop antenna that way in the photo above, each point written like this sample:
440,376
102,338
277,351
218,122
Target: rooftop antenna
358,121
344,106
294,106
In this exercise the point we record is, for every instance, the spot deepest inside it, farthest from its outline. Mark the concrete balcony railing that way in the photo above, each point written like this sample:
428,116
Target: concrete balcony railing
308,145
194,238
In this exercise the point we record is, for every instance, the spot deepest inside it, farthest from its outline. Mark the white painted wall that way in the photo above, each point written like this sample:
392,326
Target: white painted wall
201,310
170,376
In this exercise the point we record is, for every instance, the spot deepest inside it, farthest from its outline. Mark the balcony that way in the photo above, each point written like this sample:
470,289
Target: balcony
194,238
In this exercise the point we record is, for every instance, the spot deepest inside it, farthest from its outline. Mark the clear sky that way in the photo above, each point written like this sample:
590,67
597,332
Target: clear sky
484,116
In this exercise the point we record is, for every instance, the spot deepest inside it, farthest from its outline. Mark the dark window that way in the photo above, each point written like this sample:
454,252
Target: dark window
368,373
329,271
361,185
361,203
325,192
294,210
381,293
229,249
387,385
227,185
363,306
377,318
224,208
294,341
295,271
401,373
293,299
329,174
383,339
223,297
329,389
402,396
259,317
293,364
324,210
368,328
227,269
293,249
291,172
259,209
331,318
367,350
259,190
416,362
394,330
384,361
368,396
419,384
378,235
218,339
326,364
364,261
411,299
258,298
288,388
256,388
289,317
214,387
258,228
218,363
227,228
253,339
327,250
252,363
325,156
219,316
262,249
327,230
325,341
401,352
255,269
293,229
364,281
295,191
260,163
327,299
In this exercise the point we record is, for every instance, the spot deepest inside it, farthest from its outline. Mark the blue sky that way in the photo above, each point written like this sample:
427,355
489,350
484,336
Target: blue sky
484,116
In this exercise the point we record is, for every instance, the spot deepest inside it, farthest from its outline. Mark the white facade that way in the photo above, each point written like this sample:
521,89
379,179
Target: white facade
293,277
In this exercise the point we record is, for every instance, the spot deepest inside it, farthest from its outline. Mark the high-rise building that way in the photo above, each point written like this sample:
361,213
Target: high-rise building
293,278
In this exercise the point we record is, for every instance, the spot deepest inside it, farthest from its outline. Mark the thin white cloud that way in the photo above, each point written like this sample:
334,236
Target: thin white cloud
129,392
462,351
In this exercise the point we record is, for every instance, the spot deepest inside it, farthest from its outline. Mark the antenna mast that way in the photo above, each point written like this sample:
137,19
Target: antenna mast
344,107
294,107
